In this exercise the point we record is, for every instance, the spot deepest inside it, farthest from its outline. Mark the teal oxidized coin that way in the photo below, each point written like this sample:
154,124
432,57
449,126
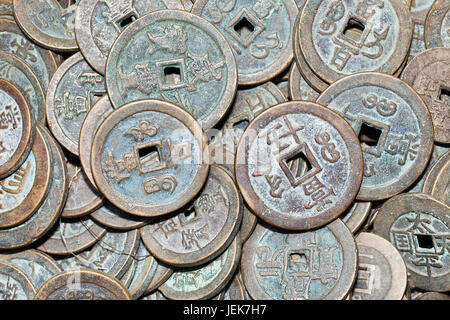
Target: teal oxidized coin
314,265
259,31
437,25
174,56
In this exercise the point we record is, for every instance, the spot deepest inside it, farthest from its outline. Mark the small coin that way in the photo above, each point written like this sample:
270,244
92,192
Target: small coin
299,89
383,32
99,22
74,89
204,281
429,74
381,271
235,290
290,131
441,187
47,23
114,218
395,151
163,272
161,163
82,198
37,266
158,57
17,129
15,284
258,32
24,191
72,236
437,25
274,263
200,232
82,284
356,215
417,225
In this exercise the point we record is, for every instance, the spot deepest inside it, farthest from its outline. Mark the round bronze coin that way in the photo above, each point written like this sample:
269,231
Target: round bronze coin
356,215
73,90
318,136
203,230
114,218
82,284
437,25
175,56
433,174
16,129
429,74
395,151
299,89
319,264
99,22
418,226
441,187
260,34
14,284
149,158
162,273
381,270
47,23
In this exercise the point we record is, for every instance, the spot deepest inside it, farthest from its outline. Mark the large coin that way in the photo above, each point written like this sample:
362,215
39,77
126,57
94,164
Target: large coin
437,25
14,284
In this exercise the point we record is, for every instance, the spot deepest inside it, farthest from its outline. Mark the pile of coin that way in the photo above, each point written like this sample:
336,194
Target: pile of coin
224,149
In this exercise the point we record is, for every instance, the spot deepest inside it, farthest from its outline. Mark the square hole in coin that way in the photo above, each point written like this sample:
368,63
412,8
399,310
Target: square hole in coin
149,157
172,74
295,162
425,241
369,135
298,261
244,28
353,29
444,95
124,22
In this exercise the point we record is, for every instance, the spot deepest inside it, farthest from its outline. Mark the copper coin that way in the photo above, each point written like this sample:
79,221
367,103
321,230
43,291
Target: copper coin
441,187
318,136
205,281
437,25
384,33
419,10
429,74
82,198
14,284
110,216
73,90
175,56
200,232
418,226
356,215
433,174
318,264
299,89
72,236
149,158
395,151
82,284
16,129
381,270
99,22
22,193
47,23
163,272
235,290
260,34
433,296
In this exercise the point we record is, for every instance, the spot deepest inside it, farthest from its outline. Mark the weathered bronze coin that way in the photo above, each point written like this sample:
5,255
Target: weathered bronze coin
235,290
40,61
44,218
204,281
149,158
16,129
299,89
429,74
82,198
441,187
73,90
432,296
14,284
380,43
23,192
200,232
290,131
175,56
381,270
114,218
99,22
72,236
317,264
47,23
260,34
21,76
93,120
37,266
437,25
82,284
433,174
418,226
395,151
419,10
356,215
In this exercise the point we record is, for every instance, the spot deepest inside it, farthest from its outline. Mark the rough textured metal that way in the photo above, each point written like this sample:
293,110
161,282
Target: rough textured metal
14,284
299,89
356,215
437,24
440,189
163,272
114,218
235,290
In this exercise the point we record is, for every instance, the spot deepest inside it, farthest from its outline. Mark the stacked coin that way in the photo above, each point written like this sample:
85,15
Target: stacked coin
231,150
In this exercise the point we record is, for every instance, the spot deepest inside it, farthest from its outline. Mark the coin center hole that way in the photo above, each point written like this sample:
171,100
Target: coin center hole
369,135
189,214
354,27
297,261
172,75
149,157
244,28
124,22
444,95
295,163
241,124
425,241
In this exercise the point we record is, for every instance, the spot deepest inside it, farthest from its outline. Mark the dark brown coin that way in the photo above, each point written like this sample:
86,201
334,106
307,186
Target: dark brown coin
299,89
163,272
298,130
429,74
437,25
434,172
14,284
419,227
235,290
82,284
